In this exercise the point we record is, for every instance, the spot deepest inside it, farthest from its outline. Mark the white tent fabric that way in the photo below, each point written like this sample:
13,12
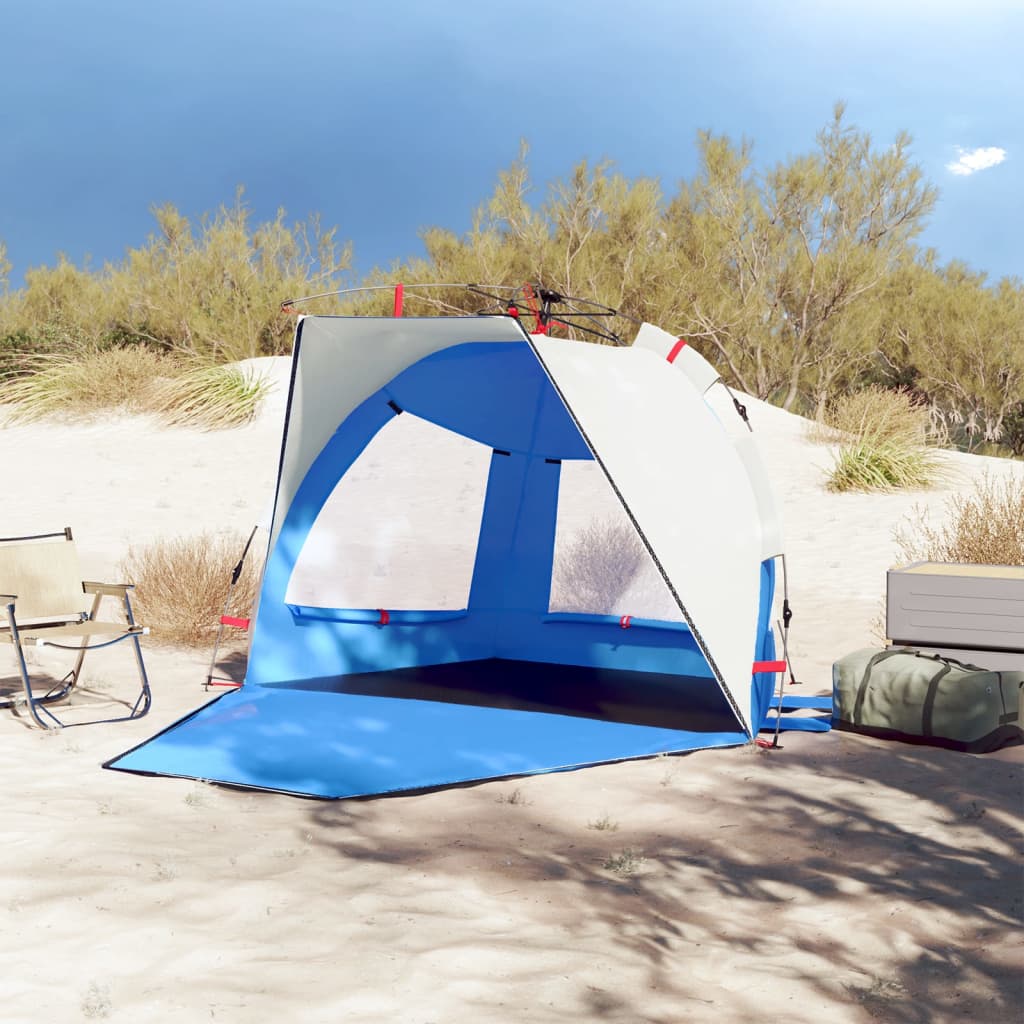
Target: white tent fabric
684,357
338,369
685,483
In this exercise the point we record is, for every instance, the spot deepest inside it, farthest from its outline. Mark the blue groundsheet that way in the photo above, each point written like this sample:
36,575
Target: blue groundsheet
312,740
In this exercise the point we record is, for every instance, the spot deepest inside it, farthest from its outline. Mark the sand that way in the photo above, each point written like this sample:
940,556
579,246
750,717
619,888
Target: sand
837,879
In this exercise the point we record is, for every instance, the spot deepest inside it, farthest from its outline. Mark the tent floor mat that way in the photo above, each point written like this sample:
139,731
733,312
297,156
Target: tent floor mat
410,729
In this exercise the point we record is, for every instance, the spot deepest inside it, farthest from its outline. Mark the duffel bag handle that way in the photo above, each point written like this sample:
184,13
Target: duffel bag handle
944,659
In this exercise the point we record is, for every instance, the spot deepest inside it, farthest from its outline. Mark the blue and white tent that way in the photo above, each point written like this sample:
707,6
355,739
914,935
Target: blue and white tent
428,613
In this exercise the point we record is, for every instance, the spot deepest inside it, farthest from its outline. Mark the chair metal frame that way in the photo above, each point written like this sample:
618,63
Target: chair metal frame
53,621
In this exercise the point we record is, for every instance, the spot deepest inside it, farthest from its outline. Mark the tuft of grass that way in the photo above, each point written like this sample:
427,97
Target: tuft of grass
517,798
884,443
210,397
96,1002
627,863
867,465
85,383
181,585
984,526
603,824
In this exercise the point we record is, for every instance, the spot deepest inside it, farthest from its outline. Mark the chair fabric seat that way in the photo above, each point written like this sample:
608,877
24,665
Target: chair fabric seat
70,630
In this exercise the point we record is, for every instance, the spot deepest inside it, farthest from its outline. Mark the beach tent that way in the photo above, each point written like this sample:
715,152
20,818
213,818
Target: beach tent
495,553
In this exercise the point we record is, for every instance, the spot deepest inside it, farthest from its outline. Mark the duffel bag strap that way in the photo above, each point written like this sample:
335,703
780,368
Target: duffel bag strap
862,690
1008,717
928,708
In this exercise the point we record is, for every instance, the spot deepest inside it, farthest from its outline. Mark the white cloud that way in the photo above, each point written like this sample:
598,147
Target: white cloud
971,160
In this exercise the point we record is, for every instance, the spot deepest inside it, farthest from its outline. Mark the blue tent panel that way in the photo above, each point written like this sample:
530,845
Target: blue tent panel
335,745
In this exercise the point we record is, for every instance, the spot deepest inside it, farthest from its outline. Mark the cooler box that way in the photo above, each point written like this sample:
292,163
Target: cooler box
974,613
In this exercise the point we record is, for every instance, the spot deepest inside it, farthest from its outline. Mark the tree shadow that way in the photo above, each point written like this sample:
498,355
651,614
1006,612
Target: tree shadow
875,874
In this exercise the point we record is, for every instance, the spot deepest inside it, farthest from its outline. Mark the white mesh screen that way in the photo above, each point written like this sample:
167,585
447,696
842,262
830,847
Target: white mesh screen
601,566
400,529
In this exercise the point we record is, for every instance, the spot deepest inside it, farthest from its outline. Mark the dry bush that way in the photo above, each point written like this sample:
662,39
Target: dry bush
596,569
876,412
181,585
984,526
884,443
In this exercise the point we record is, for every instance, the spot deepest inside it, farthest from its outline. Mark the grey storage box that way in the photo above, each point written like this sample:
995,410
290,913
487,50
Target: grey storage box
974,613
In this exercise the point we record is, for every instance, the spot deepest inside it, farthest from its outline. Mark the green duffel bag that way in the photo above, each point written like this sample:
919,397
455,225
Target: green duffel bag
903,694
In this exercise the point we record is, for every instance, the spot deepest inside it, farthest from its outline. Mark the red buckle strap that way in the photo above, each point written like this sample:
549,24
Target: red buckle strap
769,666
676,349
230,620
625,621
385,617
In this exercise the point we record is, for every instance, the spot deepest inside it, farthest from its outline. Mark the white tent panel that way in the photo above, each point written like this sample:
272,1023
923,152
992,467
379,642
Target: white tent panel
721,401
343,360
685,484
764,495
687,359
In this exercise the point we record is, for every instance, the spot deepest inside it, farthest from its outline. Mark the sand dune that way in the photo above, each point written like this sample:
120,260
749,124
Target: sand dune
839,879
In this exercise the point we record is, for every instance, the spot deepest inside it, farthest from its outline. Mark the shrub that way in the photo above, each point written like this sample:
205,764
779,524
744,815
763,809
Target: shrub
884,443
181,585
984,526
596,569
210,289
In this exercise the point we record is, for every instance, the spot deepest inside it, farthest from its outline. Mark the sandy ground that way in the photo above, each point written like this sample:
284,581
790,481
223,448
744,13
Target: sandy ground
838,879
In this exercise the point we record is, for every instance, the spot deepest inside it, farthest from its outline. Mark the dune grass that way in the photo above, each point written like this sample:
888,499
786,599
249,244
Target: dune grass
883,443
211,397
984,526
84,383
90,382
181,585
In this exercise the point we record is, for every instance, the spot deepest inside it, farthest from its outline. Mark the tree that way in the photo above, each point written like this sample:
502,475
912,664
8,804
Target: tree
964,342
778,264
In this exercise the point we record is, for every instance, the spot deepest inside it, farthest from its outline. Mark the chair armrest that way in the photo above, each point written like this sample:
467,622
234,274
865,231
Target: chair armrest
107,589
8,598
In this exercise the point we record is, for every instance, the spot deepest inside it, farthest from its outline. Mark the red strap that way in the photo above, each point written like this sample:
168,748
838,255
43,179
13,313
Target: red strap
769,666
625,621
676,349
230,620
385,618
399,296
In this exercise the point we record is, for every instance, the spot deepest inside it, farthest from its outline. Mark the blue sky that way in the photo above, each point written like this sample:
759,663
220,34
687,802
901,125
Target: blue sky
390,116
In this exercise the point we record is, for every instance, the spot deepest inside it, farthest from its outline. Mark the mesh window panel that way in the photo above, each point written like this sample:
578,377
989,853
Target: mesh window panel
601,566
400,529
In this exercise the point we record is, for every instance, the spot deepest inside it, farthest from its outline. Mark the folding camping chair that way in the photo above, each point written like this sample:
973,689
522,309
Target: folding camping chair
48,605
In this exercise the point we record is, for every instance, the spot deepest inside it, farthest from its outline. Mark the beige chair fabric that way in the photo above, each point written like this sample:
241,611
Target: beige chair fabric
48,604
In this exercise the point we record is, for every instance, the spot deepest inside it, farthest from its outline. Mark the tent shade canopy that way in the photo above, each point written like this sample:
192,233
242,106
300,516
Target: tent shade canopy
494,553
